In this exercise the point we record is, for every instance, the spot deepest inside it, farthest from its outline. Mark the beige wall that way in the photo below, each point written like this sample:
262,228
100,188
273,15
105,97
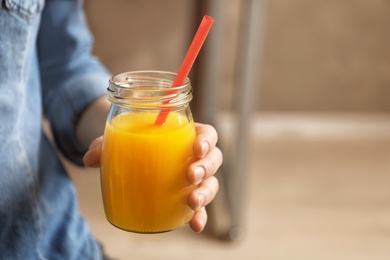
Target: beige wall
327,55
318,55
139,34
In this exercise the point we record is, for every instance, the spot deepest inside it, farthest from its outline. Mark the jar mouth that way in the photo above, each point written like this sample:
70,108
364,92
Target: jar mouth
148,89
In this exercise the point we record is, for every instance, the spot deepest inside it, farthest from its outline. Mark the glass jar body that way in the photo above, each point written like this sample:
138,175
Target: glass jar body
143,170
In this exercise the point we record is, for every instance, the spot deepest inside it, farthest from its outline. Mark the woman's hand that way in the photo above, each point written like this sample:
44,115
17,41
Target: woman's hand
200,172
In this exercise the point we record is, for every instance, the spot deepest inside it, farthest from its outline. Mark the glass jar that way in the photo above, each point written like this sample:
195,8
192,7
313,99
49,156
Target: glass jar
144,163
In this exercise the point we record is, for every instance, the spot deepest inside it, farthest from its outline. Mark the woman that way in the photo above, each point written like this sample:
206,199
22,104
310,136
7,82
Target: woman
46,68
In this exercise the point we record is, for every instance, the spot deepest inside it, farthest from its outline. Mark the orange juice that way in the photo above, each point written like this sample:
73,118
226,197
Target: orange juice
144,185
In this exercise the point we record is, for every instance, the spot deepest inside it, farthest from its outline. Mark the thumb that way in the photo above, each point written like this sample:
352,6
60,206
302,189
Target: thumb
92,156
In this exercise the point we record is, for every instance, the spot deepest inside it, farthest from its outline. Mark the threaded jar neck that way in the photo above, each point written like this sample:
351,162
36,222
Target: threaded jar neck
148,90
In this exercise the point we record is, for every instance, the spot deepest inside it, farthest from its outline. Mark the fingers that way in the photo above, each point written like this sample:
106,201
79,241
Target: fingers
202,173
199,220
206,139
210,156
92,156
204,194
199,198
205,167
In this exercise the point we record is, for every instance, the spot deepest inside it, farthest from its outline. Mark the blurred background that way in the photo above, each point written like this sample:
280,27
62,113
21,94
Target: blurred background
299,91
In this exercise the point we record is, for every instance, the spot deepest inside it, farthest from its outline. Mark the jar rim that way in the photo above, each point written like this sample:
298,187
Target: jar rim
144,72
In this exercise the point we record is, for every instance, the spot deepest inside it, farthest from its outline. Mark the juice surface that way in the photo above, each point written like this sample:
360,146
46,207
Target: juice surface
143,170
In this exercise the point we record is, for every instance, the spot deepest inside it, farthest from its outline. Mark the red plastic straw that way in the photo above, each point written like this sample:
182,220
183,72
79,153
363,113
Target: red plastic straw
188,61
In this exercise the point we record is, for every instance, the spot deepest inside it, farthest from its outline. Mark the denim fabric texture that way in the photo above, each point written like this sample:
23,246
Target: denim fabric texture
46,69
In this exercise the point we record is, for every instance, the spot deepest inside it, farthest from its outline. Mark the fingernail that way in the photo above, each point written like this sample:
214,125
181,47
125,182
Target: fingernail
201,200
199,174
205,148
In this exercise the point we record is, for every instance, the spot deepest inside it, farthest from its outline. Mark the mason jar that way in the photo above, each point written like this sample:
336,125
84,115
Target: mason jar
147,148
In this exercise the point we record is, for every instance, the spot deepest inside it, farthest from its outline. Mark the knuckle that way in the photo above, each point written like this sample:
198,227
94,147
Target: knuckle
210,166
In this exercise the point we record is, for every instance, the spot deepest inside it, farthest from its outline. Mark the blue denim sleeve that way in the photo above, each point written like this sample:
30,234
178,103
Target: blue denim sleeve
71,77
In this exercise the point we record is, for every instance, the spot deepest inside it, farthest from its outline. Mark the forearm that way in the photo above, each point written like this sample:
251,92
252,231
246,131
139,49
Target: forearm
92,121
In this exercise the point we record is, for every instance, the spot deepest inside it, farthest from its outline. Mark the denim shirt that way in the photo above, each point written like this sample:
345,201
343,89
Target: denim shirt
46,69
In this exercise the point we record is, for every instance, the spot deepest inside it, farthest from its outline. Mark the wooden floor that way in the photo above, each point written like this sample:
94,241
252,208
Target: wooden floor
321,197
